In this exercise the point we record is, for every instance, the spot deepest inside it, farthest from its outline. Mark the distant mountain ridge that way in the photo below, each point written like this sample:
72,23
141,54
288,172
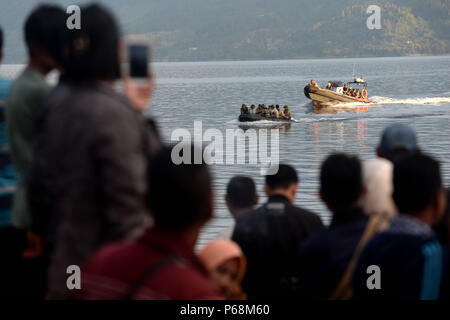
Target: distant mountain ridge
197,30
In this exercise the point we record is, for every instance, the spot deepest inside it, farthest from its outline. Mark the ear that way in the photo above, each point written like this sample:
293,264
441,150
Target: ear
267,190
256,200
293,190
322,196
441,205
377,151
363,191
209,208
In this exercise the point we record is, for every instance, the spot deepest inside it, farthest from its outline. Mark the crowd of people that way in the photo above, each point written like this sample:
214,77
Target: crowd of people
87,182
271,111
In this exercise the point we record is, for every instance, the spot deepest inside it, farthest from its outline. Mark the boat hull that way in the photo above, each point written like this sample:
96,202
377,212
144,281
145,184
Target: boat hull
325,97
257,117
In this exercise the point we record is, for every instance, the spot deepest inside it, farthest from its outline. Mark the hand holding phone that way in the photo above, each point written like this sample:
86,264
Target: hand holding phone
137,75
139,95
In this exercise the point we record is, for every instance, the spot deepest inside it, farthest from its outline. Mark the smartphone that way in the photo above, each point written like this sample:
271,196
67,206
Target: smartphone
139,60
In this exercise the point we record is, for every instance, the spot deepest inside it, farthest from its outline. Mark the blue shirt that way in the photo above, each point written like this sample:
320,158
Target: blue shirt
8,178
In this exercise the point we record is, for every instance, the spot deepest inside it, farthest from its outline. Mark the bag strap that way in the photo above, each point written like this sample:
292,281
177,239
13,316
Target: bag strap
151,270
377,223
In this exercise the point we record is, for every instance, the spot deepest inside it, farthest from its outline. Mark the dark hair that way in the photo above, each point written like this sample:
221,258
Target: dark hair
1,39
44,28
178,194
91,53
241,192
417,179
285,176
341,180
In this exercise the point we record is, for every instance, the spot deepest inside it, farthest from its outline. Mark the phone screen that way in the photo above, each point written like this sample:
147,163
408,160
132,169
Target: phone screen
138,61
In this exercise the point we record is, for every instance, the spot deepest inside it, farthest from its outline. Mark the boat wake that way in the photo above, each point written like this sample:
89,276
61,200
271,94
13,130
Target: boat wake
414,101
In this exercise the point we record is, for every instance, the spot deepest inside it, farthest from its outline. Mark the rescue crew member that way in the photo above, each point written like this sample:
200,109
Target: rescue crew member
329,86
287,113
280,112
345,89
274,112
252,109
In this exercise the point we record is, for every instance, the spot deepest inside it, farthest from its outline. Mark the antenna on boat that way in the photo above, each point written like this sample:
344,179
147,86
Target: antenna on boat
353,74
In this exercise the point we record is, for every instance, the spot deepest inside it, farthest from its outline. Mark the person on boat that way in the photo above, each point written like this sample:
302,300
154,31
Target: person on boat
259,109
329,86
252,109
274,112
313,84
287,113
244,109
357,95
345,90
280,112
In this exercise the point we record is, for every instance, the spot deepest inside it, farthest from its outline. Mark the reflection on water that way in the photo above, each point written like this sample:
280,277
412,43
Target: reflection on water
283,127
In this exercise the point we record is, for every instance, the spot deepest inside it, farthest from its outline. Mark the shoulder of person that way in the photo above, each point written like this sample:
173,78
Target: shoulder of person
183,281
306,214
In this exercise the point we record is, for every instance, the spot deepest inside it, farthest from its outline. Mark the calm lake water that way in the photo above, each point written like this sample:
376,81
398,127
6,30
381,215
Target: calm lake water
412,90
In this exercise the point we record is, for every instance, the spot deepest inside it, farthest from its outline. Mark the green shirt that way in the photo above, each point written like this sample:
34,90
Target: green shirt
23,107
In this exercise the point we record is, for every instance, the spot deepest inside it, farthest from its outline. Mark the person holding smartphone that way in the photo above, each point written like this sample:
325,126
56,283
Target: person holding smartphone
92,151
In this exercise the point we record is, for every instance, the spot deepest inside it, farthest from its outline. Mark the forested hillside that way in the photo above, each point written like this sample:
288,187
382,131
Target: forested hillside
261,29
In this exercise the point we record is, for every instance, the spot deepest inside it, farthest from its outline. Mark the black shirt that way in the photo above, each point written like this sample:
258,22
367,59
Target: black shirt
270,238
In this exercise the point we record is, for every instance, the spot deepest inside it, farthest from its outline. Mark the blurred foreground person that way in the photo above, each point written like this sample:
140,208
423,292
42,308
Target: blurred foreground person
397,140
270,237
161,264
408,254
326,259
88,182
24,105
241,197
12,240
377,180
442,229
226,265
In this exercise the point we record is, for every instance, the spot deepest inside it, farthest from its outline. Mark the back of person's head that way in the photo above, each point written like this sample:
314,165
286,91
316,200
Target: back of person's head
418,185
341,181
180,196
241,193
284,182
92,52
285,177
397,141
43,31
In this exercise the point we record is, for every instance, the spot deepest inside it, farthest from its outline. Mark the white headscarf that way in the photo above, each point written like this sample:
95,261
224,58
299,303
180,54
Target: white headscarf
377,178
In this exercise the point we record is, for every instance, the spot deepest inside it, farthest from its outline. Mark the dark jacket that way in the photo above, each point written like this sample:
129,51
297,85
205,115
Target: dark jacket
413,264
324,257
91,161
118,267
270,237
